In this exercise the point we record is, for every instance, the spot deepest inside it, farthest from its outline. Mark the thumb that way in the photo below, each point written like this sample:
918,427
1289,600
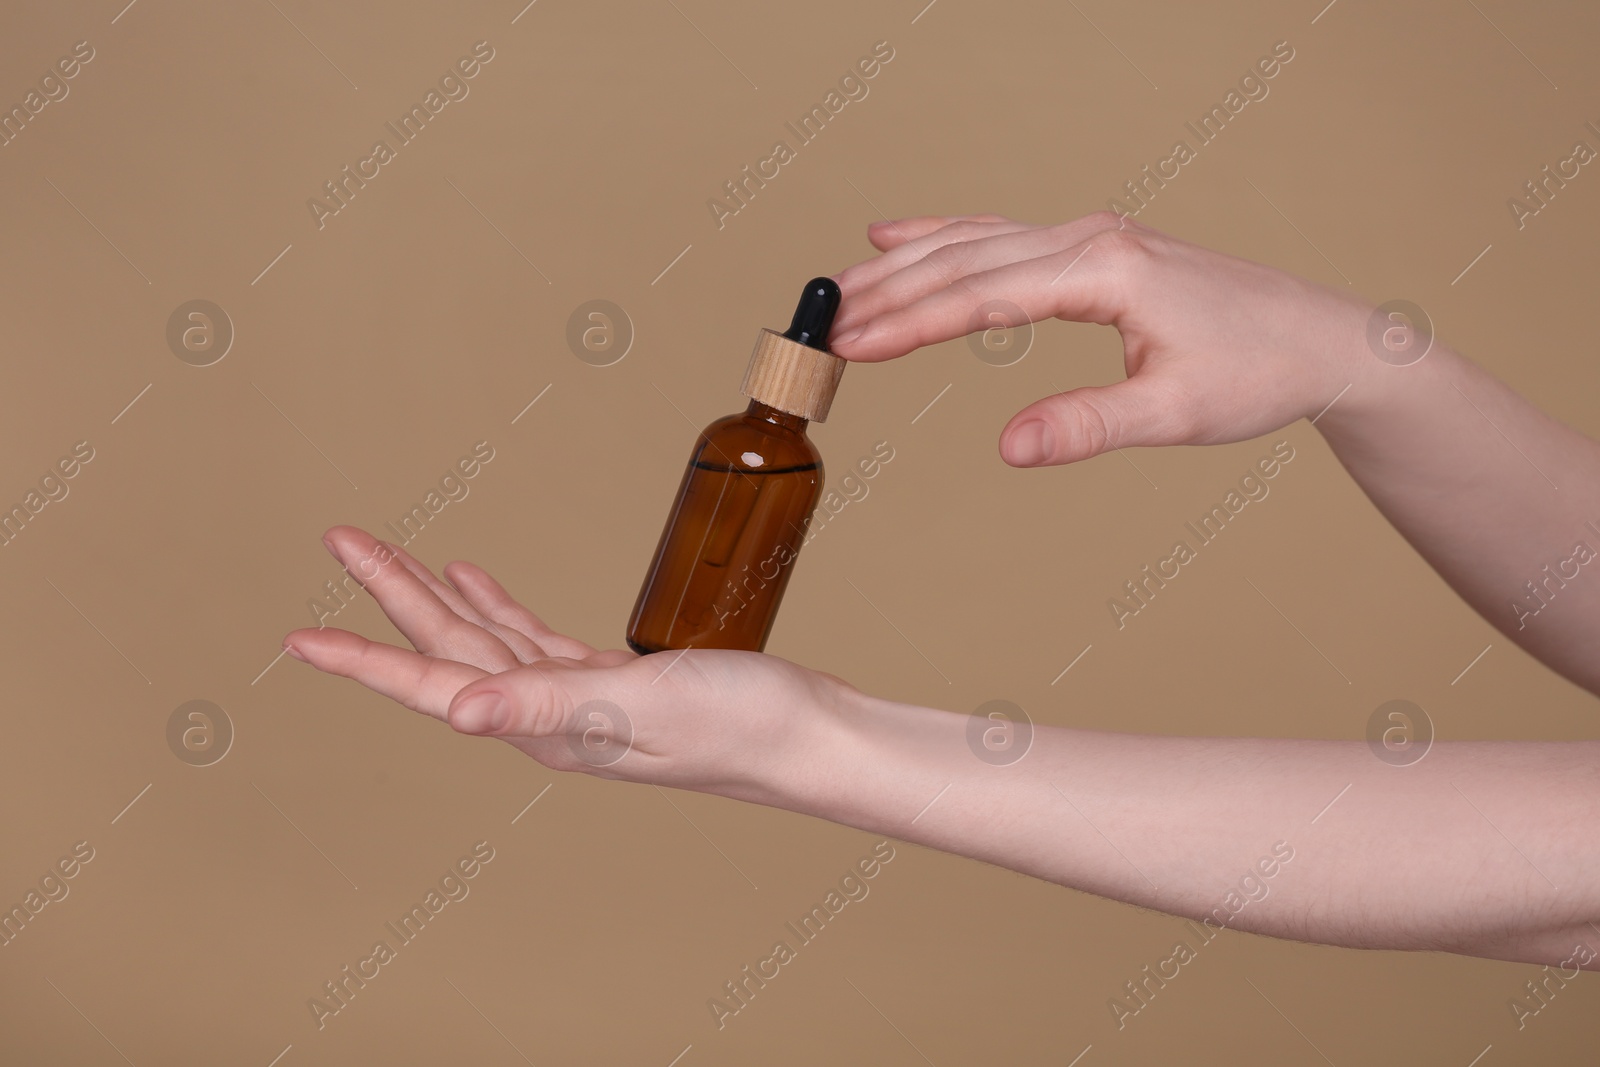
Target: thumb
534,701
1080,423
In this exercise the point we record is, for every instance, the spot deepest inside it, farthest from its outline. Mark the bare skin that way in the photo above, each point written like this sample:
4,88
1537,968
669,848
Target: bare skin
1217,349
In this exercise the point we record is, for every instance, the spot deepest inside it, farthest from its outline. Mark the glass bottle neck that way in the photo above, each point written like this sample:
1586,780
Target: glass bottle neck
765,413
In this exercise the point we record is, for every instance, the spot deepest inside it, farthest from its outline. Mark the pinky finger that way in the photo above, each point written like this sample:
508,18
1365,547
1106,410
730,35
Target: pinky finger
421,683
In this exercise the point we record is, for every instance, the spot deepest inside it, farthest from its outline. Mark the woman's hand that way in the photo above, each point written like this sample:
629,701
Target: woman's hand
738,724
1491,490
1188,814
1217,349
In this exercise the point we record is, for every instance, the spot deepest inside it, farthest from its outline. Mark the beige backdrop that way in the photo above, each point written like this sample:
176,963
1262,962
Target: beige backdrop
371,352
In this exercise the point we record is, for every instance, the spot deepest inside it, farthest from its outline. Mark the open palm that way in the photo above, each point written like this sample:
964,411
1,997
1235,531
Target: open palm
702,719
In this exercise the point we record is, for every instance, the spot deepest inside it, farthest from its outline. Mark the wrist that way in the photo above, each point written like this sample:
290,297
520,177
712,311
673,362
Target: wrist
856,759
881,765
1382,394
819,770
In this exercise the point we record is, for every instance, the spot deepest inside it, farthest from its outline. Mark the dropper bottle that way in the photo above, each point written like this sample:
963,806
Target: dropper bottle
740,516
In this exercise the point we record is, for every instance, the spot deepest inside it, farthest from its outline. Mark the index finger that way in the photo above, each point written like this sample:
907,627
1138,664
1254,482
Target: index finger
422,683
914,243
1076,283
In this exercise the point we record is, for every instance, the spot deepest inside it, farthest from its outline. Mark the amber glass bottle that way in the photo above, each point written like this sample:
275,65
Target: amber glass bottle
741,512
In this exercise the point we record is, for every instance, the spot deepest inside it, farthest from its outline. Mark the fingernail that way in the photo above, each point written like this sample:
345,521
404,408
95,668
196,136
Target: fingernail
1031,443
295,652
850,336
481,713
327,543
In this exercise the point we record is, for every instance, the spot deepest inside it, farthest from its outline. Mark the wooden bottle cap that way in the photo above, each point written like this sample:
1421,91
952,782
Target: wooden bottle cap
792,377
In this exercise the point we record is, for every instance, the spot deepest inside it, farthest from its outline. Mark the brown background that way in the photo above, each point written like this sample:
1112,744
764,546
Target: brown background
408,328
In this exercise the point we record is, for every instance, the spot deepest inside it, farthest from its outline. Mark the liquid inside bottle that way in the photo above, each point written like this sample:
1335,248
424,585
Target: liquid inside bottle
741,512
732,536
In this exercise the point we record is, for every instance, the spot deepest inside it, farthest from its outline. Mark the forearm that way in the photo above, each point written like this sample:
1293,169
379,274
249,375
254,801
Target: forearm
1493,492
1310,840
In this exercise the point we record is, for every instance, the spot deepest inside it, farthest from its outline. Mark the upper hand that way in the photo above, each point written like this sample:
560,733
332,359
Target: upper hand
1216,348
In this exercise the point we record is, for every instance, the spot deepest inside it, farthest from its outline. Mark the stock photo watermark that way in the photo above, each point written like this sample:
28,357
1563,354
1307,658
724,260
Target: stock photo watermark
999,333
343,592
1253,887
452,887
599,332
1538,592
1141,592
999,733
1541,190
452,487
53,488
739,589
739,192
199,332
1399,332
53,889
854,489
1399,732
606,734
852,887
453,87
1252,87
1540,993
199,733
52,89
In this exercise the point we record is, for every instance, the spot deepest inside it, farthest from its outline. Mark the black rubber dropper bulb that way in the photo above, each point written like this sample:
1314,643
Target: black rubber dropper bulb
813,316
